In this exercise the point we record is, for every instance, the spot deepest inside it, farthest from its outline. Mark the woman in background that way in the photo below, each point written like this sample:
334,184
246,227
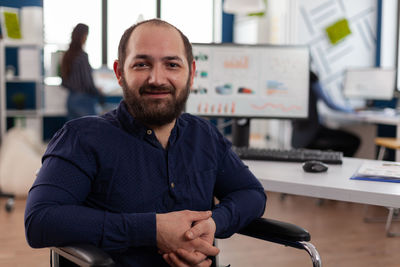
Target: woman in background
311,133
76,74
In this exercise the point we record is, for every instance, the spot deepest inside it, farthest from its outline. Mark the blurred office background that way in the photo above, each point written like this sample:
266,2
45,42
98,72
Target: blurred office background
372,42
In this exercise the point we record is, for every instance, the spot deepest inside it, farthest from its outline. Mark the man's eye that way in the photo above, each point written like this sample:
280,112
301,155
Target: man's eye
140,65
173,65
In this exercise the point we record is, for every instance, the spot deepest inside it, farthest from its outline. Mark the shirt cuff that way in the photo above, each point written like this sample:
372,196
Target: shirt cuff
141,228
220,222
129,230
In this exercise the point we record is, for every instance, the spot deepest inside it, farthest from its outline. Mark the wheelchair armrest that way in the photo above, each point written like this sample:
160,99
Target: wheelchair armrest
276,231
266,229
85,255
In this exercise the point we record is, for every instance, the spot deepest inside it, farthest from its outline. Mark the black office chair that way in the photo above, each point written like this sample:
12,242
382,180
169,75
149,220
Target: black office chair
266,229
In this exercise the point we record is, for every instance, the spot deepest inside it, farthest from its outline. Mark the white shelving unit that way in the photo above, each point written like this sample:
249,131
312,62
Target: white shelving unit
32,59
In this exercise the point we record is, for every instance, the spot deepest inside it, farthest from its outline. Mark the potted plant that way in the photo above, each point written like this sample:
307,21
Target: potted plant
19,100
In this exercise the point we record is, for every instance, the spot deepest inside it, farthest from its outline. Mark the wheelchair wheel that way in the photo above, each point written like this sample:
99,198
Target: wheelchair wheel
9,204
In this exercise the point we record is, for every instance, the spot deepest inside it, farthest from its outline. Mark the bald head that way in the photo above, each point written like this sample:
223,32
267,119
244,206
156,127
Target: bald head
122,48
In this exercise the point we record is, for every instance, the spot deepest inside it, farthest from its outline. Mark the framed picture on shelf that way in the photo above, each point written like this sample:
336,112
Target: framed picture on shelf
10,23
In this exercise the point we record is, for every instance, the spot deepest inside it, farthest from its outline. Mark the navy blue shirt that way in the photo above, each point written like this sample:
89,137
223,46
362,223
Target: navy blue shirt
104,178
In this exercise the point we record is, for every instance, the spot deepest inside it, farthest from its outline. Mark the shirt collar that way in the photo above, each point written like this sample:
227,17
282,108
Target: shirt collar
138,129
131,125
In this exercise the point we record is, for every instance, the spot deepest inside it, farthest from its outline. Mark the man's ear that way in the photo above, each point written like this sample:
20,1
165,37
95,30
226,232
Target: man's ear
117,72
193,73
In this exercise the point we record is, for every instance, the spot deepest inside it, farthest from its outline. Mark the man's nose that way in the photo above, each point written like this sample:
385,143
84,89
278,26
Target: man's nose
157,75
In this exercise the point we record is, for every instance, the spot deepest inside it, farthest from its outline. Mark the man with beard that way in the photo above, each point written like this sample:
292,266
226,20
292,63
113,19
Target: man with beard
139,181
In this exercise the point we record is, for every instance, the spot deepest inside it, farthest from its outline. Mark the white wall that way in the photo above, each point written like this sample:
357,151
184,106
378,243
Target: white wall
276,27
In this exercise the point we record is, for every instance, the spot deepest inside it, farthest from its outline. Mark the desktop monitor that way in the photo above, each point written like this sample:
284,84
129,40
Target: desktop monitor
250,81
369,83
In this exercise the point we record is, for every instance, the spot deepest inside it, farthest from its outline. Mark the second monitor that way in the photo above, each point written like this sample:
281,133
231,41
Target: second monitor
369,83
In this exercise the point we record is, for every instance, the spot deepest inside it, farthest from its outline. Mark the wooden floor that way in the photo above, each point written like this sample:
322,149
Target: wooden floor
337,230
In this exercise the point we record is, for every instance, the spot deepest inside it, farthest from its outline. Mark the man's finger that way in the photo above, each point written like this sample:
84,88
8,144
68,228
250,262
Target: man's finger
192,258
199,215
204,247
168,260
177,261
197,230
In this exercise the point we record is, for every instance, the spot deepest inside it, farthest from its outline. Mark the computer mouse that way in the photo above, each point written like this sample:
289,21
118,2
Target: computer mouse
314,166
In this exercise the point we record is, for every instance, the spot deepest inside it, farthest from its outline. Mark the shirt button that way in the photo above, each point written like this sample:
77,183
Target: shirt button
149,132
172,185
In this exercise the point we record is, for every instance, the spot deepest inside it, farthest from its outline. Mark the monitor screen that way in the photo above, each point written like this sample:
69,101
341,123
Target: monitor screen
369,83
250,81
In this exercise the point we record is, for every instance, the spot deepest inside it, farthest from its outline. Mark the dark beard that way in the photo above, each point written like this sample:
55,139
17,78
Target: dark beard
155,112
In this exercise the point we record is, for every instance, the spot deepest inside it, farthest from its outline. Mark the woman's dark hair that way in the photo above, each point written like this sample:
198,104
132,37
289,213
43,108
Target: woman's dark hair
313,77
78,36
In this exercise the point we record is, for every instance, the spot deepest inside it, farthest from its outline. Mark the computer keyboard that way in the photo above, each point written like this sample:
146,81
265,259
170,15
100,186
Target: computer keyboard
290,155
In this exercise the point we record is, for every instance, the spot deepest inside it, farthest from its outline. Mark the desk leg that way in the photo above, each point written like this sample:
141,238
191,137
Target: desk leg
367,134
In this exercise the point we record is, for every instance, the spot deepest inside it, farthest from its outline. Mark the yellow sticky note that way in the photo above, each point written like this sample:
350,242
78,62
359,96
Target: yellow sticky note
12,25
338,31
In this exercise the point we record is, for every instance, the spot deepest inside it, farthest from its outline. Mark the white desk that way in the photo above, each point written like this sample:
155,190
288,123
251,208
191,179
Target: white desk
388,117
375,117
335,184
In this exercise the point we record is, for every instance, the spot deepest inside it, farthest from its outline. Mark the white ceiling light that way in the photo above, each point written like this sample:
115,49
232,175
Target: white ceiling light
243,6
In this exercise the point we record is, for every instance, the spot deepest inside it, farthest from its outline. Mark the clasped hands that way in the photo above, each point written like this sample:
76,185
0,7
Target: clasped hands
185,238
